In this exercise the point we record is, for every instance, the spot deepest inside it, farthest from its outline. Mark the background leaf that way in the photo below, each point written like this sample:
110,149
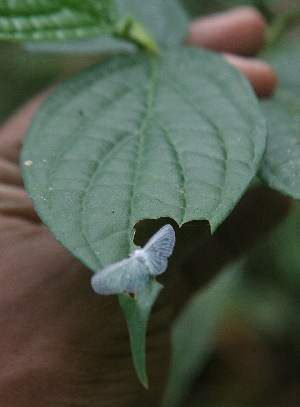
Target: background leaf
285,58
281,164
278,256
54,20
166,21
195,332
137,313
141,137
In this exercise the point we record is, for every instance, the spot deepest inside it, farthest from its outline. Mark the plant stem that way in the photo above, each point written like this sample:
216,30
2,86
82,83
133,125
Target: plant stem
264,9
134,31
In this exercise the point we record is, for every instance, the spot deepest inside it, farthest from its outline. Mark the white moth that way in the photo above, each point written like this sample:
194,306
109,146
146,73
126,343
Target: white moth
131,275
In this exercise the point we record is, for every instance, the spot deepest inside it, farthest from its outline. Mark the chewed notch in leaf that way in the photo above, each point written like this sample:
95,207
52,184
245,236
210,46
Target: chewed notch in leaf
131,274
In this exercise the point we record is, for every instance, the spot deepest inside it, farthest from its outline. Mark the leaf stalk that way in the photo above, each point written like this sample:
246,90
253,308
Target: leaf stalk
134,31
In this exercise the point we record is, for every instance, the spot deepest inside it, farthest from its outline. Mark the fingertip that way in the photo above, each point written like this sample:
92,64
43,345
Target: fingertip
238,31
14,128
261,75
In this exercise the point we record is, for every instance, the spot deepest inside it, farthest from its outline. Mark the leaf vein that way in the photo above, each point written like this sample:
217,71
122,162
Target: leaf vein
182,197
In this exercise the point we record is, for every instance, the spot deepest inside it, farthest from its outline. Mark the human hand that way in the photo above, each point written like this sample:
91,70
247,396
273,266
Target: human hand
60,343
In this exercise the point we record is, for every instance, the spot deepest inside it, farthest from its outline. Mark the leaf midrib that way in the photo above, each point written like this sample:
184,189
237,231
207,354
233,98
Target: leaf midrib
153,79
141,134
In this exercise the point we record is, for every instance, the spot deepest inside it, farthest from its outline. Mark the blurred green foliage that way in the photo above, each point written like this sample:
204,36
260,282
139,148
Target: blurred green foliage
23,74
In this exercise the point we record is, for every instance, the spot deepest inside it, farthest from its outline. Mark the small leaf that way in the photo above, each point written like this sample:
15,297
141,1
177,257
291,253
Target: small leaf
281,163
24,20
137,313
139,137
166,21
195,332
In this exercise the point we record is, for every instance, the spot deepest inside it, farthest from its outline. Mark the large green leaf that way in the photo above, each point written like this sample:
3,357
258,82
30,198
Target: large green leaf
23,20
195,332
140,137
281,164
165,20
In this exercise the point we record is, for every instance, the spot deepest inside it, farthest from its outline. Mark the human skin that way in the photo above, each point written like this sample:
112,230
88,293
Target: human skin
61,344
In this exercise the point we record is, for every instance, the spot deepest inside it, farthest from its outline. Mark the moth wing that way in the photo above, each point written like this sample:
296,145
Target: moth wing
159,248
136,277
157,264
109,279
162,242
126,275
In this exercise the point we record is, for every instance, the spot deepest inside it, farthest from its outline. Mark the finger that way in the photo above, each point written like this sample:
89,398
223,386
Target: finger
12,132
15,202
261,75
10,172
239,31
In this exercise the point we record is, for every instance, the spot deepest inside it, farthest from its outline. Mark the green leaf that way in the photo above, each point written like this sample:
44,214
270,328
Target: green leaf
25,20
137,313
281,164
263,302
195,332
166,21
278,256
140,137
285,58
